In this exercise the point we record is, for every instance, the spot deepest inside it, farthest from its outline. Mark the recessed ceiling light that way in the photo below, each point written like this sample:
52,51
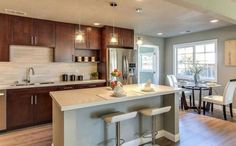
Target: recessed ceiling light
139,10
160,33
214,21
96,24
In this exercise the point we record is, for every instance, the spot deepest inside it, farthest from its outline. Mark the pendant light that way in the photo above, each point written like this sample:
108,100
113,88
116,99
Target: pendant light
114,39
139,41
80,35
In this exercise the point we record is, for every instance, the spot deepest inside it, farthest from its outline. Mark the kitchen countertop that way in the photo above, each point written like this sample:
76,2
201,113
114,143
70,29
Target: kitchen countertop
60,83
82,98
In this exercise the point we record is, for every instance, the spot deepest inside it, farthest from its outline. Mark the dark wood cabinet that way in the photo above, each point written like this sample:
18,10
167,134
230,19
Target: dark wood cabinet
4,37
21,30
94,85
126,38
44,33
65,37
27,31
20,108
92,38
26,107
32,106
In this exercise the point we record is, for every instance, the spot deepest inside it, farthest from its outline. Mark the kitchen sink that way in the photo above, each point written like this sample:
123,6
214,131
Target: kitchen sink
26,84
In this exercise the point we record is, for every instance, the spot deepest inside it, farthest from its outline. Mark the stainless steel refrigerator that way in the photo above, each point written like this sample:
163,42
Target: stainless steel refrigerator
124,60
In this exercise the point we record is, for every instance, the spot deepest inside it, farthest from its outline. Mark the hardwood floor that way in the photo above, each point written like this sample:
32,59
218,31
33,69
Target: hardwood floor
195,130
34,136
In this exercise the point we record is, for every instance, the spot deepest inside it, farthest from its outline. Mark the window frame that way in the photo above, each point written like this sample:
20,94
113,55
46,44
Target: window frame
193,44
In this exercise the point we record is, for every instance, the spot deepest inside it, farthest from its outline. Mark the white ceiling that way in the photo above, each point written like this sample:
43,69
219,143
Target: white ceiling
158,15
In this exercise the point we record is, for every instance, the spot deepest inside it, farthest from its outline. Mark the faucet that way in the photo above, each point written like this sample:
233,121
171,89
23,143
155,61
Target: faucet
29,70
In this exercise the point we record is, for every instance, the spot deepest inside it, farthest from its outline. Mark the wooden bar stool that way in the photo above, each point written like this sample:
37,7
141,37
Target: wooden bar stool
153,112
117,118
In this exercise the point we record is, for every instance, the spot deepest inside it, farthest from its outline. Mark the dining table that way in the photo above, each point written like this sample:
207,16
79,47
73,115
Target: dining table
197,87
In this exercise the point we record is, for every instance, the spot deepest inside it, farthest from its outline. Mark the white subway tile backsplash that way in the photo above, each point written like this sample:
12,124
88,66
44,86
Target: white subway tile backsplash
11,71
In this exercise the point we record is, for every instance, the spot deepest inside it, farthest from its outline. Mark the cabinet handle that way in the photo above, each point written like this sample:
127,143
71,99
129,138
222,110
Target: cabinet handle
35,40
65,88
32,99
32,40
35,99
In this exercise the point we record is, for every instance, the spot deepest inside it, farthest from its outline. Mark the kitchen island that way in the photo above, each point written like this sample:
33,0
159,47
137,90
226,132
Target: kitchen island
77,115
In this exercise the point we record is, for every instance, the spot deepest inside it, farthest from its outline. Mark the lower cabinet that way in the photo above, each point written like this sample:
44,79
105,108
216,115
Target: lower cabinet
32,106
27,107
20,108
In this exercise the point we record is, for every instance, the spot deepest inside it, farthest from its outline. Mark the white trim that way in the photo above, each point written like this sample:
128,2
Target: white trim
161,133
190,44
220,107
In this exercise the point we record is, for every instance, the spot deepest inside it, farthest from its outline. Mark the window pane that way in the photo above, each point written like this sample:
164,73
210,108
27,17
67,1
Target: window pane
210,48
199,48
189,50
147,62
210,58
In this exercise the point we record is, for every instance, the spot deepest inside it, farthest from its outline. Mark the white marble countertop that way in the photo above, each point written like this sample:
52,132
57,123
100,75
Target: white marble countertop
82,98
60,83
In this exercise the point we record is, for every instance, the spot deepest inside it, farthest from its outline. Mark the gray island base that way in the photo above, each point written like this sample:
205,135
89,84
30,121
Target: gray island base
77,116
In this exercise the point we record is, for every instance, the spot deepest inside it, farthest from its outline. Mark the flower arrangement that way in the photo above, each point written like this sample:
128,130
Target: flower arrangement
116,74
196,70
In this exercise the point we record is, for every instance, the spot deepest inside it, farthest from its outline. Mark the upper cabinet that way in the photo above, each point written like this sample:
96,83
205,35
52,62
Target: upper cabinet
125,37
44,33
91,40
64,50
21,31
4,42
27,31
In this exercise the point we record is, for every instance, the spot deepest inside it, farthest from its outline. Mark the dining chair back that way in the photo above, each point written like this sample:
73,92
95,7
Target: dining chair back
229,92
175,81
170,80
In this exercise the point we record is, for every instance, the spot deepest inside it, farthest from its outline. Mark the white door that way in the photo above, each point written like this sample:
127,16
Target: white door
148,64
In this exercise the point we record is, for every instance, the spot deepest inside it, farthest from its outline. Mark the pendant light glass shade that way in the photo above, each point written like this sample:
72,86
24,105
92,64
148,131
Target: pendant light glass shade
80,36
113,39
139,41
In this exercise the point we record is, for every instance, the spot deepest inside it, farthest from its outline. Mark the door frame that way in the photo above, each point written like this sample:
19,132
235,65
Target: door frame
157,60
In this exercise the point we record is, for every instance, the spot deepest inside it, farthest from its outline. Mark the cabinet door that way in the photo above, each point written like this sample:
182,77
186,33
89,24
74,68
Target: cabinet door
65,34
43,107
84,44
44,33
19,108
4,42
127,38
21,30
94,38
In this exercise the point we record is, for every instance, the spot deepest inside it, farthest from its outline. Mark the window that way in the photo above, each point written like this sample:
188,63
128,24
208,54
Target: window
147,61
202,54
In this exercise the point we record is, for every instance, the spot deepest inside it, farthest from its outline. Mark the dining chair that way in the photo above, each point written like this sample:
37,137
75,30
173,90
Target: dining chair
226,99
173,82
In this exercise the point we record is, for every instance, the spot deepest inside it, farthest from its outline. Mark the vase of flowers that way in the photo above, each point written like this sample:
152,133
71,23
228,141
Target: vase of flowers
196,70
116,74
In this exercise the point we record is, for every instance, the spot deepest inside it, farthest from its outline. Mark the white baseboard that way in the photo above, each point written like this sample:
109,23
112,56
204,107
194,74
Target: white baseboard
161,133
220,107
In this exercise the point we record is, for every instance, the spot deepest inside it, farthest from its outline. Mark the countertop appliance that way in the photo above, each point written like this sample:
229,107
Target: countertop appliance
3,110
124,60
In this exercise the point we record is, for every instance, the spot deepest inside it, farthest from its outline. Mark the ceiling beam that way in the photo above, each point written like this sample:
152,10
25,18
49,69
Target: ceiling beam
221,9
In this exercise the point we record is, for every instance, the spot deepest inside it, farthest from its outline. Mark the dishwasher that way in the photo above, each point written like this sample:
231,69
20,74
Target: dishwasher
3,110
